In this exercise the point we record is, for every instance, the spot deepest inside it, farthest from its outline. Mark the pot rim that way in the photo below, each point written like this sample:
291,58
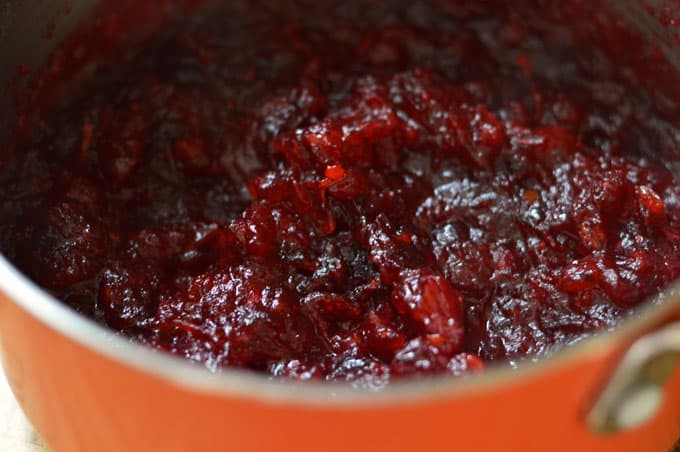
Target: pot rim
248,384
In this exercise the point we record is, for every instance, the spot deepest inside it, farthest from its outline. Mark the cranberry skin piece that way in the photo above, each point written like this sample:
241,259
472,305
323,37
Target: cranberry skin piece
352,184
330,306
614,194
127,293
427,354
579,275
591,230
651,206
276,187
328,313
429,301
467,266
287,112
391,251
488,137
383,339
256,230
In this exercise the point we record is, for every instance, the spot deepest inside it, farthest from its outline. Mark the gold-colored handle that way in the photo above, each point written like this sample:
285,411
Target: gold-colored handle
635,391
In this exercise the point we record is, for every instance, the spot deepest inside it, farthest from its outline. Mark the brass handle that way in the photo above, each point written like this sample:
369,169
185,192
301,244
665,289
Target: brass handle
635,391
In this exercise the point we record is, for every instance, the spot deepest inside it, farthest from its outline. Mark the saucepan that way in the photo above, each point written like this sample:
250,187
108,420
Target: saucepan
87,389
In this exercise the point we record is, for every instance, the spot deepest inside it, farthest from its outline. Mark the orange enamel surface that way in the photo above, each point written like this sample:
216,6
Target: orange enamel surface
81,401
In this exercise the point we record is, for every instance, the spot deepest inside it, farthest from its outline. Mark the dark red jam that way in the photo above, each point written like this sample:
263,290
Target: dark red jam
354,191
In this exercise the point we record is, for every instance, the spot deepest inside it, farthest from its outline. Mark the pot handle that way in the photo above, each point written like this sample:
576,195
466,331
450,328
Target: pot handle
635,391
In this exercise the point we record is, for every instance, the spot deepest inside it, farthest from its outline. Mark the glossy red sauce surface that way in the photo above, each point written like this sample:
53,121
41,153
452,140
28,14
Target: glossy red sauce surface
354,192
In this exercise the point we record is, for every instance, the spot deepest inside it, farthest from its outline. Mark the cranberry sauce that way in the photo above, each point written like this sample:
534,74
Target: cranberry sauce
358,191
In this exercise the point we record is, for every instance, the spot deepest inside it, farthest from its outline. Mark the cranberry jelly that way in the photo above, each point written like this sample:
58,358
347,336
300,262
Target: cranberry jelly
352,193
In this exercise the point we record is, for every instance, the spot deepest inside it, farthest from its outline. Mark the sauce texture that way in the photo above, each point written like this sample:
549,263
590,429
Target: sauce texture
360,191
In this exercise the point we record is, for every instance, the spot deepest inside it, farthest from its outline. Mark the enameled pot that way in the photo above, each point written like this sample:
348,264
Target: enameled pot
86,389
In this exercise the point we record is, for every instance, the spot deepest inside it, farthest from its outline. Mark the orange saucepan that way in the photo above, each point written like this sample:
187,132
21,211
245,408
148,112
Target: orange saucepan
87,389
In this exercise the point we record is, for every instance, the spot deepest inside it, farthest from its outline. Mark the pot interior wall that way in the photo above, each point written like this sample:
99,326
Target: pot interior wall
29,31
